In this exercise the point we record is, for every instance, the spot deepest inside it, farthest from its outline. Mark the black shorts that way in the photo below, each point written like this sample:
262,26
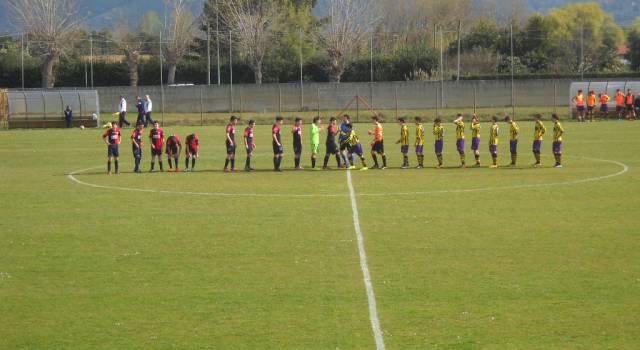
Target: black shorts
137,152
249,149
277,149
630,108
297,148
156,152
332,148
344,146
378,147
173,150
231,149
191,151
113,151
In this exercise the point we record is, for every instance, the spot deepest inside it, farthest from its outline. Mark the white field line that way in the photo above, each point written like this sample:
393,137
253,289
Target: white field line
624,169
371,297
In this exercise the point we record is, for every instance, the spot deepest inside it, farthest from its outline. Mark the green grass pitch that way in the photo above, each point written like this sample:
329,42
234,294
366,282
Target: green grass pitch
504,258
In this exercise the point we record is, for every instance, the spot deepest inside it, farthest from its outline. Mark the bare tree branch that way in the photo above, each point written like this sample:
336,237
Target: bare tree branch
253,23
348,24
181,33
50,23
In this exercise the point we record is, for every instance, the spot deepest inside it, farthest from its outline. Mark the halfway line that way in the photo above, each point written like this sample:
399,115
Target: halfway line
373,309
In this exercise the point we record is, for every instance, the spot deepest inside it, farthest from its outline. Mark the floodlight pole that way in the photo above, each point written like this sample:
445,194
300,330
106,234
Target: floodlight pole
230,73
161,80
459,35
582,51
301,78
218,39
208,53
513,106
441,69
91,57
22,58
371,59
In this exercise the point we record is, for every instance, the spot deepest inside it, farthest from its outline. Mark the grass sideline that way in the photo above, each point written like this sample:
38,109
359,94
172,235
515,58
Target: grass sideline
485,114
501,266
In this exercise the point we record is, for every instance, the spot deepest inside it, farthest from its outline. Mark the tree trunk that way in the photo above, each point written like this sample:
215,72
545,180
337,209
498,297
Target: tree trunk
335,74
257,73
336,68
48,79
132,63
171,75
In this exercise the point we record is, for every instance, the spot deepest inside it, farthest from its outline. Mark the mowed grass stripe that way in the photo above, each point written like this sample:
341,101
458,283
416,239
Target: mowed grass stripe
91,268
550,267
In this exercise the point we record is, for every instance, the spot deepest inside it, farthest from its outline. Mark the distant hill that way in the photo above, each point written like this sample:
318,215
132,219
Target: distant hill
105,13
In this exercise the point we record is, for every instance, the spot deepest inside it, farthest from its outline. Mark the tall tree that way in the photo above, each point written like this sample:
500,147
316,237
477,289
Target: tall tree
180,36
253,24
49,23
349,22
633,40
583,28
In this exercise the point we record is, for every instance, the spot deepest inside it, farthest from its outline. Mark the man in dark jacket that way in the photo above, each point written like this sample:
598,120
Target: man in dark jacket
140,107
68,116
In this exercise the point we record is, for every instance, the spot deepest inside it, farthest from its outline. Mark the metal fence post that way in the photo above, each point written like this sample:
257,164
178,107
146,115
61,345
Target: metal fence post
201,107
279,99
301,97
436,96
62,103
80,103
240,92
26,109
357,106
396,98
44,114
555,96
318,99
475,98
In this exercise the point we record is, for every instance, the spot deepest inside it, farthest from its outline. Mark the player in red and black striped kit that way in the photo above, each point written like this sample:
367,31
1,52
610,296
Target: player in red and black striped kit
136,145
173,149
112,138
192,151
249,144
277,144
231,144
297,142
156,135
331,146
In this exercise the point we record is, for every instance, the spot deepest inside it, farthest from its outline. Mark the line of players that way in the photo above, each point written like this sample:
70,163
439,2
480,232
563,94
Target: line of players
627,106
172,145
344,150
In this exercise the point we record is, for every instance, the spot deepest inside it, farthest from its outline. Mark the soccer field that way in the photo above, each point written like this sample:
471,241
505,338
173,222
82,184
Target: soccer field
507,258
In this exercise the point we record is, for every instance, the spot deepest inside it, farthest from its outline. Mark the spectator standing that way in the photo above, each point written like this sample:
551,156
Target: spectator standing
148,107
140,108
68,117
122,108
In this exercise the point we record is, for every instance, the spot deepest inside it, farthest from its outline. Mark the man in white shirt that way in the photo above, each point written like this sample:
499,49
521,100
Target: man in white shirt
148,107
122,108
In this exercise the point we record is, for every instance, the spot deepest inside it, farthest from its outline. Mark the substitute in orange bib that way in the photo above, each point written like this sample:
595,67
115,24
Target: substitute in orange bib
604,104
628,101
591,104
619,103
578,100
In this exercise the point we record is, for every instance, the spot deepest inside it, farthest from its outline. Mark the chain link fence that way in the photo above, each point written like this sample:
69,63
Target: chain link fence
210,104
